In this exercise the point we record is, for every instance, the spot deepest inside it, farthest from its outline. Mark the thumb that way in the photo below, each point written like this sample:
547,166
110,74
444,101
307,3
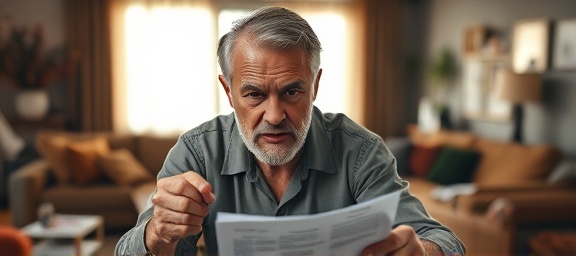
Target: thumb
207,195
201,185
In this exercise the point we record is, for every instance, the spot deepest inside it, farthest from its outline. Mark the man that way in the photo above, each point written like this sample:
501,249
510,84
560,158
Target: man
277,155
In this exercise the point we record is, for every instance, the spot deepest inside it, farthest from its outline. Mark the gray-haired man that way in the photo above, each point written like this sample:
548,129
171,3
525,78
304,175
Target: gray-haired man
276,154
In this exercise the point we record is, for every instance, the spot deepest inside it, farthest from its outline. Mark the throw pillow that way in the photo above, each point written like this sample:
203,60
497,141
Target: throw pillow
454,166
505,163
52,148
123,168
82,157
422,157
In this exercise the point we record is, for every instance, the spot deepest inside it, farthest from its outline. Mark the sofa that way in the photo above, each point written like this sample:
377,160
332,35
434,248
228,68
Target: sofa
495,195
106,174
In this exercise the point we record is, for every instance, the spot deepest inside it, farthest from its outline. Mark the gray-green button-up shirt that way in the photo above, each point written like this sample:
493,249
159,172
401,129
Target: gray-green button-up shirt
342,164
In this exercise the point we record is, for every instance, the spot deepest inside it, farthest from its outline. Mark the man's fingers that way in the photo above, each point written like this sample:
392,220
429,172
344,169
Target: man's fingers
201,185
402,240
181,204
169,217
172,232
190,185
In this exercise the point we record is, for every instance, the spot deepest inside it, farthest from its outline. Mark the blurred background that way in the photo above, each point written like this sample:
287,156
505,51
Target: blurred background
138,59
499,70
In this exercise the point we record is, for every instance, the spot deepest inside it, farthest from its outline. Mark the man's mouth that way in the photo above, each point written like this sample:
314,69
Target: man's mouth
275,138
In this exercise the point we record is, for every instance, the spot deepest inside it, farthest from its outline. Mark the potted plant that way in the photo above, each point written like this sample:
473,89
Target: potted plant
25,67
441,72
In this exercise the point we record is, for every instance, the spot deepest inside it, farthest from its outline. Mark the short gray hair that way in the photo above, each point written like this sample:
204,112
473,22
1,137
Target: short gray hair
275,27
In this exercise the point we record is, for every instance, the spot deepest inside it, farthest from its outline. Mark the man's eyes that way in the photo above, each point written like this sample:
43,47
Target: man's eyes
292,92
254,95
293,95
290,95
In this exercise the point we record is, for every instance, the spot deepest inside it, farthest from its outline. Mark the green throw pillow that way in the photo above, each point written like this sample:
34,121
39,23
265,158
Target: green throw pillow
453,166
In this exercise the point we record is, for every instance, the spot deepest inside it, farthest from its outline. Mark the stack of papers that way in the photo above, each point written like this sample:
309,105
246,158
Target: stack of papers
344,231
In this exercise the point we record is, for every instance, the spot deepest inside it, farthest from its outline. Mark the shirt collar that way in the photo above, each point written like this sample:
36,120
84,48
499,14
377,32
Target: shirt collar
318,147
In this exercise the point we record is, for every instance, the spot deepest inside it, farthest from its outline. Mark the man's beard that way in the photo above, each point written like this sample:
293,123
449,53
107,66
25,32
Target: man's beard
275,154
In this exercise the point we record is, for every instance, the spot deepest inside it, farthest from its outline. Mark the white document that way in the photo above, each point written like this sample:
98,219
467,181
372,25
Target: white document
344,231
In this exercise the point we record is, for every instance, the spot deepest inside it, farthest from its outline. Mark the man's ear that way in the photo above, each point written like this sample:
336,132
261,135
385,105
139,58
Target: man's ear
226,89
317,83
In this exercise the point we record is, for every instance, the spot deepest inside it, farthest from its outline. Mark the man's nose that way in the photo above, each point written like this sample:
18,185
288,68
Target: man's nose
274,113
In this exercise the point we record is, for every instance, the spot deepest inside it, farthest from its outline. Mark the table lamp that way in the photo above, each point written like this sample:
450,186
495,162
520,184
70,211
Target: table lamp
518,89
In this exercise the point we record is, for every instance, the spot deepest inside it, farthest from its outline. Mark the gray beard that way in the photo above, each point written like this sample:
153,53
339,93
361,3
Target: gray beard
273,154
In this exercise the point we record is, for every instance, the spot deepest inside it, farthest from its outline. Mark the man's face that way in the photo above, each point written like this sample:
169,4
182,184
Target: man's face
272,92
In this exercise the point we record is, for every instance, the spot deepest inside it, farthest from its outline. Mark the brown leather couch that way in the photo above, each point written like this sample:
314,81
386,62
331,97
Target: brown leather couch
509,197
117,200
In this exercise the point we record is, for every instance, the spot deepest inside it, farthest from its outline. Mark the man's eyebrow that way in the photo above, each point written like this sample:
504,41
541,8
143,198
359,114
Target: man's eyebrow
249,87
298,84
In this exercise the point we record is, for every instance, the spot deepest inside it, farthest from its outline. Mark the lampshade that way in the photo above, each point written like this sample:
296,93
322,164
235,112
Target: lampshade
518,88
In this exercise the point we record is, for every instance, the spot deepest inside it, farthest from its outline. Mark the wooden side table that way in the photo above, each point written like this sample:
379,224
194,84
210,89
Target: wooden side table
68,235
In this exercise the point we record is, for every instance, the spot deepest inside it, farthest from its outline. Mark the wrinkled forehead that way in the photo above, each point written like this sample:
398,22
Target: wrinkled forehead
247,49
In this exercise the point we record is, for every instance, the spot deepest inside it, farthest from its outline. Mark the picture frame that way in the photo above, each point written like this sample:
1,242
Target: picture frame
530,39
565,45
480,101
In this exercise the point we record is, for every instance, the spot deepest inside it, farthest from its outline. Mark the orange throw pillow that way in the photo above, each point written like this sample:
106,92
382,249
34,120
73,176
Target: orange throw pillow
52,148
422,158
123,168
82,156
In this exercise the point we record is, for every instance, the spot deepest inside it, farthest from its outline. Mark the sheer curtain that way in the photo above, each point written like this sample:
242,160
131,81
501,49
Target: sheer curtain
163,63
165,69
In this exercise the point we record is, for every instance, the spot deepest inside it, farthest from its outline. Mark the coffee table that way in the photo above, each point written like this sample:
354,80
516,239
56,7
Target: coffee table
68,235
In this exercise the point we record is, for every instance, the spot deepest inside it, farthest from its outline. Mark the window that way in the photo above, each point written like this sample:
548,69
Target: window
166,70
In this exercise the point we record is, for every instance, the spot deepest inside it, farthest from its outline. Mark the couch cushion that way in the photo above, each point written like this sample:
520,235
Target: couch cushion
152,150
81,157
123,168
453,166
94,198
119,141
422,157
511,163
53,150
52,147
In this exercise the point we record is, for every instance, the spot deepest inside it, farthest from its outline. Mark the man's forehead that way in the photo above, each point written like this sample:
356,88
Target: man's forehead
247,45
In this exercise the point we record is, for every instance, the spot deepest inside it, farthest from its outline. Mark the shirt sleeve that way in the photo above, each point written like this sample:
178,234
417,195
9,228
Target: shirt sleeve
376,175
179,160
132,242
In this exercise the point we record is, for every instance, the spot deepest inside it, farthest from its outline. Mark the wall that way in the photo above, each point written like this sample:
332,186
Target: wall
551,121
28,13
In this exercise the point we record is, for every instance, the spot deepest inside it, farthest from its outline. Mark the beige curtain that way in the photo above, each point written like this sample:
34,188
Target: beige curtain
383,93
90,93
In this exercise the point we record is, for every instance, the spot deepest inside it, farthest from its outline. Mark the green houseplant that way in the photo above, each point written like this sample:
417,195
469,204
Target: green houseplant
441,74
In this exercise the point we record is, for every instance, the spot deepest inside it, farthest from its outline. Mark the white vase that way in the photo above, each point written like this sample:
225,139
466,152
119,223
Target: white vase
428,118
32,104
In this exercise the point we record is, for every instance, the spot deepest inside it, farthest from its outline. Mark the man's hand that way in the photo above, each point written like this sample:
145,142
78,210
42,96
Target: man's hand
403,241
180,205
